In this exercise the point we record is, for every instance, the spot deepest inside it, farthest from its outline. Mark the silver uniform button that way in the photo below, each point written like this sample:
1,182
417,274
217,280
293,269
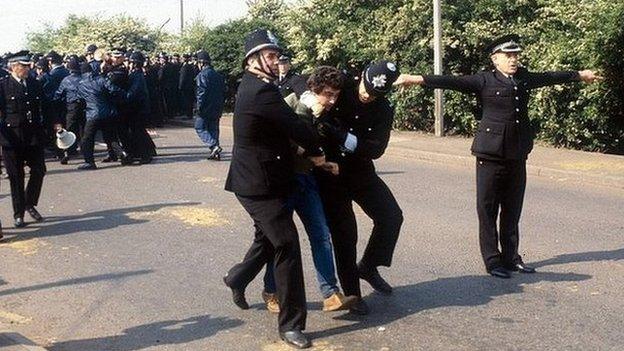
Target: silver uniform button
369,129
279,158
27,102
498,93
356,117
517,110
343,154
515,88
517,121
487,129
517,98
350,129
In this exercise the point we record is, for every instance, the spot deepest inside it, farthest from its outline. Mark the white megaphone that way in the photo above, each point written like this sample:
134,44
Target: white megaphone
65,139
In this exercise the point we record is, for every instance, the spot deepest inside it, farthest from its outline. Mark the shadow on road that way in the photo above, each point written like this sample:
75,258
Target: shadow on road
171,332
76,281
87,222
612,255
471,290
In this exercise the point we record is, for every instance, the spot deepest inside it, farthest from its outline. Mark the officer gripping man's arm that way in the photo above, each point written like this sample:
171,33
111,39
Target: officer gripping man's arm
502,143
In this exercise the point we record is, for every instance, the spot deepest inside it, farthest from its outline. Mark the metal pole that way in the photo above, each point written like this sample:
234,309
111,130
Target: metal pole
181,16
437,67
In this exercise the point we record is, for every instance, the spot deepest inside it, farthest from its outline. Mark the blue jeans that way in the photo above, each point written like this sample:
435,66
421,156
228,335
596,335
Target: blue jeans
306,201
207,129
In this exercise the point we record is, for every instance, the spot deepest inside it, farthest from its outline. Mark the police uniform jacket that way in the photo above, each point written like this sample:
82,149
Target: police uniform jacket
292,83
100,96
504,132
20,113
187,77
262,163
210,93
137,95
371,123
68,89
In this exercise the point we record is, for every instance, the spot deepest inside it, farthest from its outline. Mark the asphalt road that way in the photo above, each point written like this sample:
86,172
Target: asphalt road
131,258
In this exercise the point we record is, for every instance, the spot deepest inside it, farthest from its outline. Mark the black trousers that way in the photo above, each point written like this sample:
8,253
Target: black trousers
14,160
500,190
75,121
188,100
377,201
275,238
107,126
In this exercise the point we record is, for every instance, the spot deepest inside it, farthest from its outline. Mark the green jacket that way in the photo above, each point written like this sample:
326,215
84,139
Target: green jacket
302,164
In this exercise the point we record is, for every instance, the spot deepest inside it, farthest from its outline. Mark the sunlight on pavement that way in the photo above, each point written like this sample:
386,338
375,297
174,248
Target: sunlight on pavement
25,247
194,216
13,318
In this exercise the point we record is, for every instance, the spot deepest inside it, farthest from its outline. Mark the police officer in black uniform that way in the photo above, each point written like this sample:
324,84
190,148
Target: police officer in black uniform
262,176
68,93
22,136
288,80
186,85
118,75
356,132
140,146
501,145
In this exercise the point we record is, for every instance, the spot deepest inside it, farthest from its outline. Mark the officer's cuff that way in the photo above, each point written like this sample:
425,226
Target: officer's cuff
351,143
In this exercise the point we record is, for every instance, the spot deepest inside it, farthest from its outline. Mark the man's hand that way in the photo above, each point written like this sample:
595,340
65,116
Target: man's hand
332,132
317,160
589,76
406,80
331,167
58,127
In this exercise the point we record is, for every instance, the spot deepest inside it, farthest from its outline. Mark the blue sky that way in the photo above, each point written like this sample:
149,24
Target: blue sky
17,17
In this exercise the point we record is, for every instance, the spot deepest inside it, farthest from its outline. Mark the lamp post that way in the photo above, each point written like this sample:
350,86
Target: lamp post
437,67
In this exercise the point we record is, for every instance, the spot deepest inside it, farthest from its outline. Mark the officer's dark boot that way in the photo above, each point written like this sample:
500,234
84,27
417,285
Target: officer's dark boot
371,275
65,158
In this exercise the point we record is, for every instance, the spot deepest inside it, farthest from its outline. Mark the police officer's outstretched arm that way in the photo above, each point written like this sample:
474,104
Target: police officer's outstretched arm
543,79
465,84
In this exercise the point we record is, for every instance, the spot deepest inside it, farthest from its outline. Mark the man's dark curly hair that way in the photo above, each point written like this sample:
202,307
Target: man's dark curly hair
325,76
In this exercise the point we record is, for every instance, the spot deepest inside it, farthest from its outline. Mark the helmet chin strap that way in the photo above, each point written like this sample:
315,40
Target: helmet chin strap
265,66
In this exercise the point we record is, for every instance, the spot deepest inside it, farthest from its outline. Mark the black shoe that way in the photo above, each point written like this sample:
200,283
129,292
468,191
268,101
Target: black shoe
500,272
522,268
110,159
19,222
360,308
87,166
34,214
126,159
238,296
145,160
296,339
215,153
65,158
371,275
1,236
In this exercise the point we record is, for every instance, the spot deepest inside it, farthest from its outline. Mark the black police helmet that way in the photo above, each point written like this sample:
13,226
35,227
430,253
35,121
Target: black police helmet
137,56
54,57
203,56
73,65
379,76
260,39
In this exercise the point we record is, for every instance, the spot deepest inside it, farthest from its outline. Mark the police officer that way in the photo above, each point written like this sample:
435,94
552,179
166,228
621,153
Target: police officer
22,136
100,96
168,85
90,57
141,145
118,75
501,145
288,80
56,116
210,99
68,93
186,86
262,176
356,132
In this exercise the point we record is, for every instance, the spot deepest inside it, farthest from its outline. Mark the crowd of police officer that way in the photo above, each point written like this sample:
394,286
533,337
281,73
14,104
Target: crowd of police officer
118,93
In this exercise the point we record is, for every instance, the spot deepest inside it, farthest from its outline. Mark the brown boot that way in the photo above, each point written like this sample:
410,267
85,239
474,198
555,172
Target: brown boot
271,301
339,302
